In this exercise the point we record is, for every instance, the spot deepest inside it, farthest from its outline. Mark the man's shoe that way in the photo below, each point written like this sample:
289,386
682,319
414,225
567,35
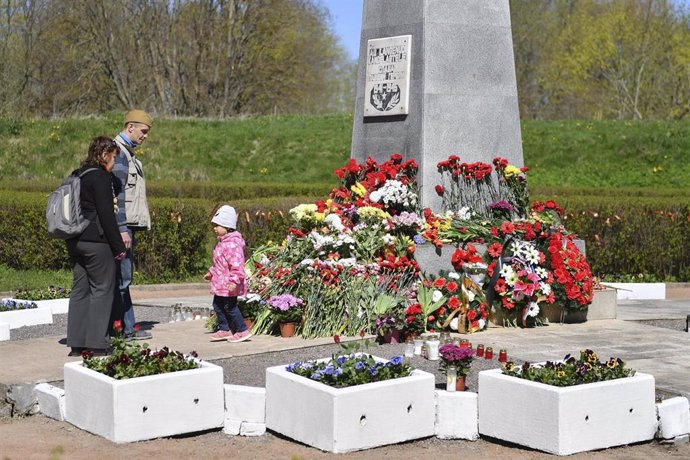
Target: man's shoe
220,336
138,335
240,336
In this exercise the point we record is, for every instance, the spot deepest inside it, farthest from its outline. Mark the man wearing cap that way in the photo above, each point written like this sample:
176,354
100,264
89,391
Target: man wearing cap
133,209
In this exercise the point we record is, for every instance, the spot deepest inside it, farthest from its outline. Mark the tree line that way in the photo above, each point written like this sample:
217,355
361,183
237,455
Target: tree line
598,59
173,57
602,59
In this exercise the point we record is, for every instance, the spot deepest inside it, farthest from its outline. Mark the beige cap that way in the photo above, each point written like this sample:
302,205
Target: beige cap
138,116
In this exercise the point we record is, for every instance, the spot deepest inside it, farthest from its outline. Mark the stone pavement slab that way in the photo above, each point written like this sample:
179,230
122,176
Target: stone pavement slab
653,350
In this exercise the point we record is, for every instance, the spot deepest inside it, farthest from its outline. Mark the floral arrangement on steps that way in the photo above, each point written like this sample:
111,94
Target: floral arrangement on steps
571,371
356,246
130,359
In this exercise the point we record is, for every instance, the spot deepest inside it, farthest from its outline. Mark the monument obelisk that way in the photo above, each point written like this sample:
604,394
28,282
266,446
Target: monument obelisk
436,78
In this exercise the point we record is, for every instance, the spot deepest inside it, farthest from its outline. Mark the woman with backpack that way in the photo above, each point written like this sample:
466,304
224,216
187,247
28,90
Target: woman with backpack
93,253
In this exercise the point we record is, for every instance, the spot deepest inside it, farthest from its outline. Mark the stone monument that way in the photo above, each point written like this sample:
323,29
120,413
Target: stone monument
436,78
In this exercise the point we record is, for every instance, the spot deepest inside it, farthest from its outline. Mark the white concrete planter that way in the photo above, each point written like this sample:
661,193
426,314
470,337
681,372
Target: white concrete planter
353,418
56,306
639,291
144,407
567,420
28,317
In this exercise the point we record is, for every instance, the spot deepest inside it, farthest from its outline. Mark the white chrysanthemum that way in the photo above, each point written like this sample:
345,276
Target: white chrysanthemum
532,256
453,275
388,238
464,213
482,323
307,261
541,272
375,196
348,262
533,309
507,271
454,324
334,221
545,288
436,296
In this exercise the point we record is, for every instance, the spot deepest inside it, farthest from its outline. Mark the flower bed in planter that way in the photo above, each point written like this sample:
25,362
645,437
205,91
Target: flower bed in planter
567,420
144,407
56,306
352,418
25,316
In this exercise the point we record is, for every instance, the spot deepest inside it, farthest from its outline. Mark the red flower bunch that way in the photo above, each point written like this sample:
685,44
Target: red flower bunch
550,205
466,303
574,286
469,256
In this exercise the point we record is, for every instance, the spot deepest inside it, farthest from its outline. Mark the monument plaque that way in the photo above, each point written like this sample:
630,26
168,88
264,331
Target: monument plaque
387,76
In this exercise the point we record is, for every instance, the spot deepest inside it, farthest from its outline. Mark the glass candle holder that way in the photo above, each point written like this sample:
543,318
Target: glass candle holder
480,351
503,355
489,353
409,348
432,346
418,342
464,344
451,378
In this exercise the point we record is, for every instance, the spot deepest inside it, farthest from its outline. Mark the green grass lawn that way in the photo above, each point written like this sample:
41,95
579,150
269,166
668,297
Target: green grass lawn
12,280
306,149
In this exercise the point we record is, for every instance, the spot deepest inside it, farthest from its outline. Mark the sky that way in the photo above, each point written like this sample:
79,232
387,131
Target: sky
347,22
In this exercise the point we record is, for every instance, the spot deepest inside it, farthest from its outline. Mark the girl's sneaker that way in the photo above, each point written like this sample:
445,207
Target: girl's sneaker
220,336
240,336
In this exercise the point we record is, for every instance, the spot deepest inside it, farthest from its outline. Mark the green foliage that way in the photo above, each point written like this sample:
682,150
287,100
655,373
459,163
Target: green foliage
13,280
178,245
42,294
131,359
571,371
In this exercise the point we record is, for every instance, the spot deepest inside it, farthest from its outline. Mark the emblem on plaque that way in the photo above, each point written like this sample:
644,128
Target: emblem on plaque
385,96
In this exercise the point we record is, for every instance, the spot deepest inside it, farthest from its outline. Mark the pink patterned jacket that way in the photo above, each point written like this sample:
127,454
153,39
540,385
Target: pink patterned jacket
228,265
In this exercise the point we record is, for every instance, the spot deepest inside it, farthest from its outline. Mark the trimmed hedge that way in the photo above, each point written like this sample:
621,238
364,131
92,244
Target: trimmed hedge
178,245
630,235
626,234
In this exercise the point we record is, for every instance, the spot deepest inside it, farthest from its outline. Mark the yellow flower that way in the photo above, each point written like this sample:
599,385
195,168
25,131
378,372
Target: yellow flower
372,212
511,171
358,189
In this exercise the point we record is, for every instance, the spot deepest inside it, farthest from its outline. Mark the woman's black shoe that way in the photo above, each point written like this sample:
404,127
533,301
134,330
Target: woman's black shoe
76,351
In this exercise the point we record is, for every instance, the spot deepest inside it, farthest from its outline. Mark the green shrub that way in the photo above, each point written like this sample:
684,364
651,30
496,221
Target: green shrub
177,246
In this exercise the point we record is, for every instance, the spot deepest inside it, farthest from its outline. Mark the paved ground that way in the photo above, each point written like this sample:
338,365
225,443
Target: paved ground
660,351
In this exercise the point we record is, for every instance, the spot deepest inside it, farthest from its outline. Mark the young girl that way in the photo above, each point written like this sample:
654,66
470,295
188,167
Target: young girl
227,277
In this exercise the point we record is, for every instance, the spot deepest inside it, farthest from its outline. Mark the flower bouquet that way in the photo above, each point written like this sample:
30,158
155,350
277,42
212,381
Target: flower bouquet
455,363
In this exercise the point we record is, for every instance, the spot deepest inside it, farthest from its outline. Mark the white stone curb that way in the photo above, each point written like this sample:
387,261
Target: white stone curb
674,417
245,410
51,401
4,331
456,415
28,317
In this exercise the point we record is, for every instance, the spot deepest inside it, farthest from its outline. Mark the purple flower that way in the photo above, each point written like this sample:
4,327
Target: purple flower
284,302
503,204
396,360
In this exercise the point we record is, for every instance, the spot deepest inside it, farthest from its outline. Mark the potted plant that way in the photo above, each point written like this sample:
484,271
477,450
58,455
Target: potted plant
573,405
250,305
286,311
455,363
350,402
137,393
